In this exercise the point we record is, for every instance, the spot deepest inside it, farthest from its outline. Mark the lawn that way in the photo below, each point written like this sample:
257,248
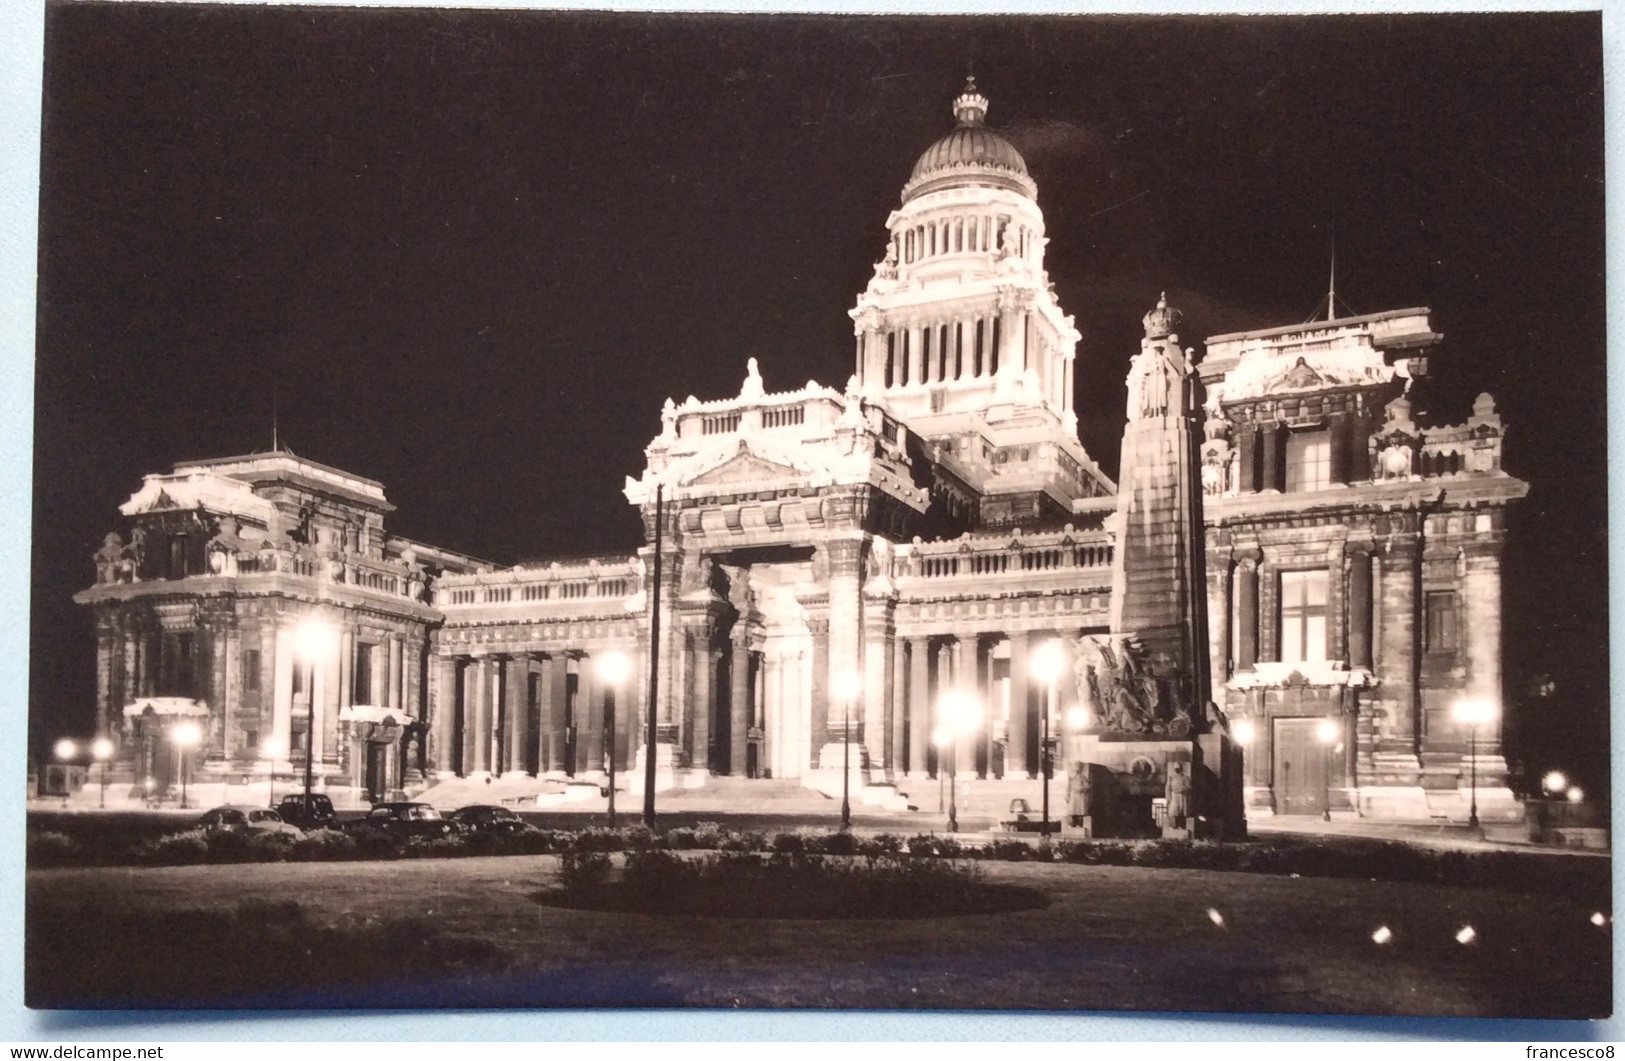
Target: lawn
470,932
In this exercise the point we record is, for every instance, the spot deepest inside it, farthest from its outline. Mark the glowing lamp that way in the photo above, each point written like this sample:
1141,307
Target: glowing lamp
1047,662
1576,794
614,667
101,749
185,734
65,749
1473,711
1326,732
848,686
1554,782
1077,717
1244,731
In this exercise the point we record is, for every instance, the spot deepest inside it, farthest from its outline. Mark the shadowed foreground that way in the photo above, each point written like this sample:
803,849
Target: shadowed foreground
468,932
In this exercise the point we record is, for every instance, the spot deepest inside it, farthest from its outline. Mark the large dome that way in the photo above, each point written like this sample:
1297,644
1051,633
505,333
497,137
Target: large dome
971,154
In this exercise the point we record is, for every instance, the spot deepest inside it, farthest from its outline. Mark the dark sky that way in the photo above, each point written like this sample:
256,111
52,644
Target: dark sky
469,254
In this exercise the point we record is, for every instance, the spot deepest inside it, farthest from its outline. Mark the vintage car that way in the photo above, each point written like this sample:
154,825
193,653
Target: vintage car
314,811
403,820
244,820
488,818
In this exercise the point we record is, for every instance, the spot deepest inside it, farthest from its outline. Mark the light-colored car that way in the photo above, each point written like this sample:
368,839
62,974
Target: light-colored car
246,819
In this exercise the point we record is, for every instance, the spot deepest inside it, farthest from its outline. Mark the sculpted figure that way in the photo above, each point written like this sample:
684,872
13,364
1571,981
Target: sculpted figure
108,557
1396,462
1178,792
1077,793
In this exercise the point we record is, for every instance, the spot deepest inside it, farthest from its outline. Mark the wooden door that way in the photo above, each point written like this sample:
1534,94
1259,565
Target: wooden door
1300,767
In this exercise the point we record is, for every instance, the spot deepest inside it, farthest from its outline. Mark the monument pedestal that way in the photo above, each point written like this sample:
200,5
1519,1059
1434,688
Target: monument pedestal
1127,775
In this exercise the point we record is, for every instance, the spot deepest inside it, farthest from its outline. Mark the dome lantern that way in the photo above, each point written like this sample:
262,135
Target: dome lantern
971,106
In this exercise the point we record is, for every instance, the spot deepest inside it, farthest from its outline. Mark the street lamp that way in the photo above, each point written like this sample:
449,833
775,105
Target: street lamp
312,640
102,749
1554,782
1576,794
613,669
1473,712
1243,732
65,749
272,748
1326,732
185,736
1046,665
958,713
848,687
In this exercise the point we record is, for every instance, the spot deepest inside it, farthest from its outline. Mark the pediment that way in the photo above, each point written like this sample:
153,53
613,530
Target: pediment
1299,377
744,467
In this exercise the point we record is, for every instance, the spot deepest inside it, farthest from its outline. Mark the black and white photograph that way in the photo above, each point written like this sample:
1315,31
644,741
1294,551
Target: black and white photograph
1068,514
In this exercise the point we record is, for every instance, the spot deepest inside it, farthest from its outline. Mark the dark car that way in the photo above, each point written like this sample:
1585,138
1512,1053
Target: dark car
487,818
403,820
314,811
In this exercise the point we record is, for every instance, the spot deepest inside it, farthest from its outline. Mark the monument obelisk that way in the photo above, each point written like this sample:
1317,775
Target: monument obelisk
1157,756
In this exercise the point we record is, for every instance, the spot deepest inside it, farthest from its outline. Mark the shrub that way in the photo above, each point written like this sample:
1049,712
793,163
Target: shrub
187,848
1009,850
743,842
680,839
708,835
788,842
323,845
271,847
583,872
638,838
884,844
47,848
450,846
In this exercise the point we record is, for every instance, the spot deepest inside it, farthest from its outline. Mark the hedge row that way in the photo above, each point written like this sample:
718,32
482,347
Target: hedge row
1319,856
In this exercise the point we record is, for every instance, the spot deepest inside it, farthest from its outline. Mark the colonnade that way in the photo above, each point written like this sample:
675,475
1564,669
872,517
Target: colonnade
535,713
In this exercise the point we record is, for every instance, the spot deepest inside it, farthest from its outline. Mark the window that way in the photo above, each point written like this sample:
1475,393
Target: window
251,670
1303,616
361,684
1308,460
1441,622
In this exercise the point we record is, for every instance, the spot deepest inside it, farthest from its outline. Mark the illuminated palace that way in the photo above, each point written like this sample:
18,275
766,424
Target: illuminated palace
832,559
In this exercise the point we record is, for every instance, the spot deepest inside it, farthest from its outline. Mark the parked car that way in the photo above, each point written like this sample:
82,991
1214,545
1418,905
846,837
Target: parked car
245,820
314,811
488,818
403,820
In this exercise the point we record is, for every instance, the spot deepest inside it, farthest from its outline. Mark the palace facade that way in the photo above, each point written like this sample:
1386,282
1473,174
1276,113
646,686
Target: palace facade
831,560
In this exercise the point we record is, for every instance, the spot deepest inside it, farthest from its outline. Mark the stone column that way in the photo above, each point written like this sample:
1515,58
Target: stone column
1479,619
739,700
397,672
897,661
1247,458
819,729
1021,752
878,666
1219,611
916,354
502,729
230,664
1401,571
282,689
1271,470
589,716
1359,607
1246,612
919,704
558,713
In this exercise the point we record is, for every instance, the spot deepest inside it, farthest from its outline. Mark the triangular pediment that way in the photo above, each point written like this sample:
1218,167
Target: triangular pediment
1299,377
744,467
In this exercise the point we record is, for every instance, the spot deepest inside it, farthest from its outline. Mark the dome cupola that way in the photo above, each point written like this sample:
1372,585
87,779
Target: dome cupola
972,154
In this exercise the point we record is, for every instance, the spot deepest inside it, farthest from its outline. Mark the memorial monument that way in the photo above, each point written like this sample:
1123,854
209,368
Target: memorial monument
1155,751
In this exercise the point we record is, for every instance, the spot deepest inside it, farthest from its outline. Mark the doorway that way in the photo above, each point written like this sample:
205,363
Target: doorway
1301,763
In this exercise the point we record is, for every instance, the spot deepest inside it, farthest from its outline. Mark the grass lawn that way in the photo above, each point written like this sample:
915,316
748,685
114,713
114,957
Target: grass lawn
469,932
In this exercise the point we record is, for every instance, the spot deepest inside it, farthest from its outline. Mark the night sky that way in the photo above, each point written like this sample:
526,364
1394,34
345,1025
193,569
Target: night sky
469,254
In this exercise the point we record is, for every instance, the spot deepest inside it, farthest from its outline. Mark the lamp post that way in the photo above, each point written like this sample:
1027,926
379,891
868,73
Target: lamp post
185,736
1473,712
65,750
848,687
958,712
1047,662
1554,783
272,748
613,669
312,639
1326,732
102,749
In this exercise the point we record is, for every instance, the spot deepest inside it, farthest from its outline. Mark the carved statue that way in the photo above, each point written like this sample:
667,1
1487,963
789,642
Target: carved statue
668,420
267,561
110,557
1178,791
752,387
1009,241
886,268
820,565
1394,461
1077,794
